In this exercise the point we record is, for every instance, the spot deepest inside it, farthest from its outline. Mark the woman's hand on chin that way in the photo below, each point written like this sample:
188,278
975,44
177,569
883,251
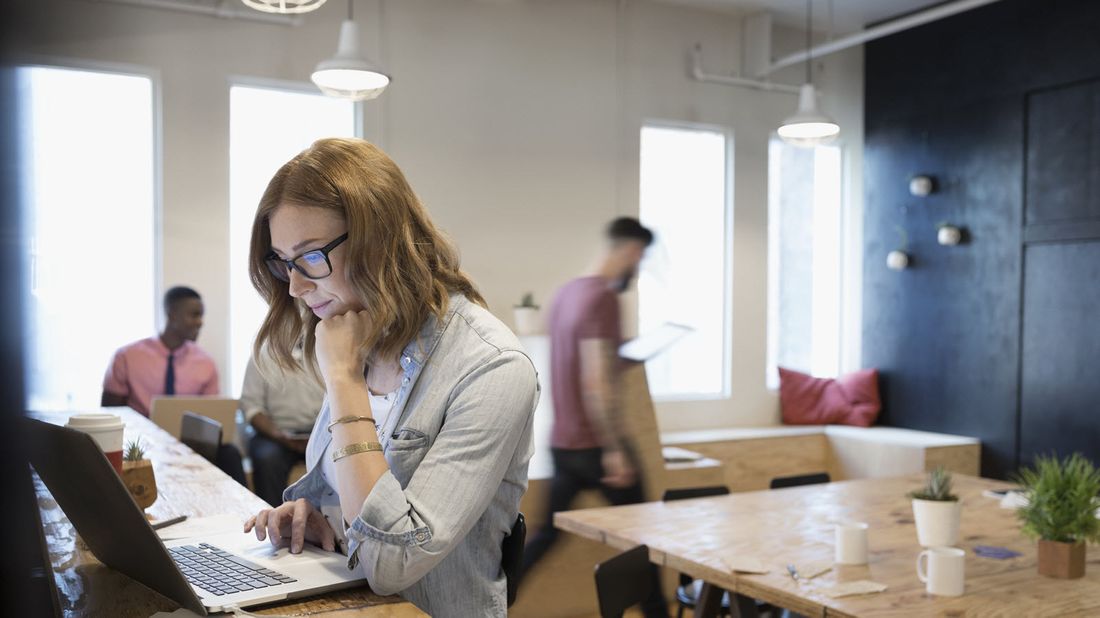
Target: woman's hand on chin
339,346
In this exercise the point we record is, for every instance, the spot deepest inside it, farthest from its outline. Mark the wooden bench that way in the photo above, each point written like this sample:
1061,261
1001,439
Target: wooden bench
752,456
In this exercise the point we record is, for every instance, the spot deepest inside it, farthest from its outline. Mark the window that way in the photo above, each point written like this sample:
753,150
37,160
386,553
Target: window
91,195
267,127
805,244
684,199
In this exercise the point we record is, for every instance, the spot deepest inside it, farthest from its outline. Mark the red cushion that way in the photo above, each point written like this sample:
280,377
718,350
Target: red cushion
848,400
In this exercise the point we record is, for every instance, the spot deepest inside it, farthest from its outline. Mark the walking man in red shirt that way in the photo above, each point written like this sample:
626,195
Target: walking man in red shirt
588,440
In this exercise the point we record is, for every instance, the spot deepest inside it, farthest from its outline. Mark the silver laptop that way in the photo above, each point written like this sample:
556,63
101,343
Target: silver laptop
216,572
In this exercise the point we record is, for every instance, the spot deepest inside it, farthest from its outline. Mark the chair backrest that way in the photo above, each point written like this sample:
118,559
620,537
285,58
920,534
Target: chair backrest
623,581
801,479
687,494
511,557
695,492
640,423
203,435
167,412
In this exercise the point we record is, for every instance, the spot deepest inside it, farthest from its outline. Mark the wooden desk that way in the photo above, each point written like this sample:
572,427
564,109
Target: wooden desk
795,526
189,485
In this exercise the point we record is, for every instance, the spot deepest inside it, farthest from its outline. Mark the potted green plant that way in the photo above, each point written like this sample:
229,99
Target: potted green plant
137,474
527,317
936,510
1061,512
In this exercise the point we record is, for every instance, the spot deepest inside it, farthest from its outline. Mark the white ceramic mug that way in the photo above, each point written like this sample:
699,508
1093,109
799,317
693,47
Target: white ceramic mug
106,429
944,572
851,543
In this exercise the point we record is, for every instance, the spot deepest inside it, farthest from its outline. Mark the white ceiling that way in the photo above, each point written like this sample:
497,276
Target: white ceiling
847,15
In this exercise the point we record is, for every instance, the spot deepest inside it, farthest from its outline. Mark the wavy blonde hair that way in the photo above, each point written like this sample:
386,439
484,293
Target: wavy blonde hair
402,268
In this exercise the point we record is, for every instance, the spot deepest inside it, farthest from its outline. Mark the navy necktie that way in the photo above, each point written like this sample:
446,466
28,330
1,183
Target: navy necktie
170,378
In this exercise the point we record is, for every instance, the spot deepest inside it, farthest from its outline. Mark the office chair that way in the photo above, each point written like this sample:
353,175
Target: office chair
799,480
202,434
687,590
511,556
623,581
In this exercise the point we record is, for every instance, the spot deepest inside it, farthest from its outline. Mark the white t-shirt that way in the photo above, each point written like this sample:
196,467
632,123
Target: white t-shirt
380,406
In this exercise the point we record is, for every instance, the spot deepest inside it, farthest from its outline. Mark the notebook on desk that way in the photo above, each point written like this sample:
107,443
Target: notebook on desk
212,572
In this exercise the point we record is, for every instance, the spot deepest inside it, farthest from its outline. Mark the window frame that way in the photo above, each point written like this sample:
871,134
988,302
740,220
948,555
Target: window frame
258,83
849,265
68,63
726,390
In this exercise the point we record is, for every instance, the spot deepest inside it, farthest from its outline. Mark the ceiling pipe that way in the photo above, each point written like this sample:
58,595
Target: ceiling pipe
729,80
879,31
223,10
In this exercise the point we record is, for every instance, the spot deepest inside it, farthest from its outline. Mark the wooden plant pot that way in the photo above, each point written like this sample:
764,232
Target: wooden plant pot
1061,560
138,478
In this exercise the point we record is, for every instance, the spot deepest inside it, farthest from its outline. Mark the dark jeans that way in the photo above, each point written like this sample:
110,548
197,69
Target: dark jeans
229,460
271,464
575,470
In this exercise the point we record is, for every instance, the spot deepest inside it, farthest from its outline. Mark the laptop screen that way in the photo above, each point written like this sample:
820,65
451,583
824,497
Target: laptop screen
95,500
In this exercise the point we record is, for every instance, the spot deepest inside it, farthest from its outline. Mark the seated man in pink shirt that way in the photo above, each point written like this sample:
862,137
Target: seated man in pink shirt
169,364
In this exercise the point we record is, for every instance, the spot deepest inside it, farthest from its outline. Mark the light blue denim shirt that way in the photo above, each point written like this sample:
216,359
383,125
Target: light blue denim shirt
457,441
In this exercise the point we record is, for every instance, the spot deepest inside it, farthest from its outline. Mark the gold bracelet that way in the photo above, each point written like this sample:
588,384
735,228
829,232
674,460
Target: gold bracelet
350,419
355,449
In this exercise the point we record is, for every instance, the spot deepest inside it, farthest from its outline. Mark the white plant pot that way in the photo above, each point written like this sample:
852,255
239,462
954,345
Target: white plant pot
897,260
921,186
937,522
949,235
528,321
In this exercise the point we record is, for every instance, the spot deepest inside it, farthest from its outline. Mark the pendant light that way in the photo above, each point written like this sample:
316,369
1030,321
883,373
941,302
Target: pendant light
349,74
808,127
284,6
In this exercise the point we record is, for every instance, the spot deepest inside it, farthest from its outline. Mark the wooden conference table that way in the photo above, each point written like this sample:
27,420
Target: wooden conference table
188,485
795,526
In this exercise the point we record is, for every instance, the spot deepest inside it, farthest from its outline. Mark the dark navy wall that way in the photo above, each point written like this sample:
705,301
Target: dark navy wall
999,337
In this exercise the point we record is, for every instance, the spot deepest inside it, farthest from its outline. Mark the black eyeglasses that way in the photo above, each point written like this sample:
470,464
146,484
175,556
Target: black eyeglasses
312,264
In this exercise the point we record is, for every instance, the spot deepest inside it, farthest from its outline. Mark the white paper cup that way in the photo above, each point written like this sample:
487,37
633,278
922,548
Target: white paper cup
106,429
851,543
942,569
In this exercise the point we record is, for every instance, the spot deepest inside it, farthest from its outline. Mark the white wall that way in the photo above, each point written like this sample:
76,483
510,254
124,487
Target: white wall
517,122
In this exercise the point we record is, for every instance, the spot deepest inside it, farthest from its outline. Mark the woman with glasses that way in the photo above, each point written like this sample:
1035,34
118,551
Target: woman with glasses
418,458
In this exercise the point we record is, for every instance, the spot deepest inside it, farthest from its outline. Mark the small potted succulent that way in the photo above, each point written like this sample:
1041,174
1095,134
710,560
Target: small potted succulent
1061,512
137,474
527,317
936,511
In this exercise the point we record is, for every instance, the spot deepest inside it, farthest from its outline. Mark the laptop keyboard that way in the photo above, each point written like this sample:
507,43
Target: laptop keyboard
220,572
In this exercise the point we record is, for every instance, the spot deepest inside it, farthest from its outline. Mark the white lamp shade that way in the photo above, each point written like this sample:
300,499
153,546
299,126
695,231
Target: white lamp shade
808,127
284,6
349,74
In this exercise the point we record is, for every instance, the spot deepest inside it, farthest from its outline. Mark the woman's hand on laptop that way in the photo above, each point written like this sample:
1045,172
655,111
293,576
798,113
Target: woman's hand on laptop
292,523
